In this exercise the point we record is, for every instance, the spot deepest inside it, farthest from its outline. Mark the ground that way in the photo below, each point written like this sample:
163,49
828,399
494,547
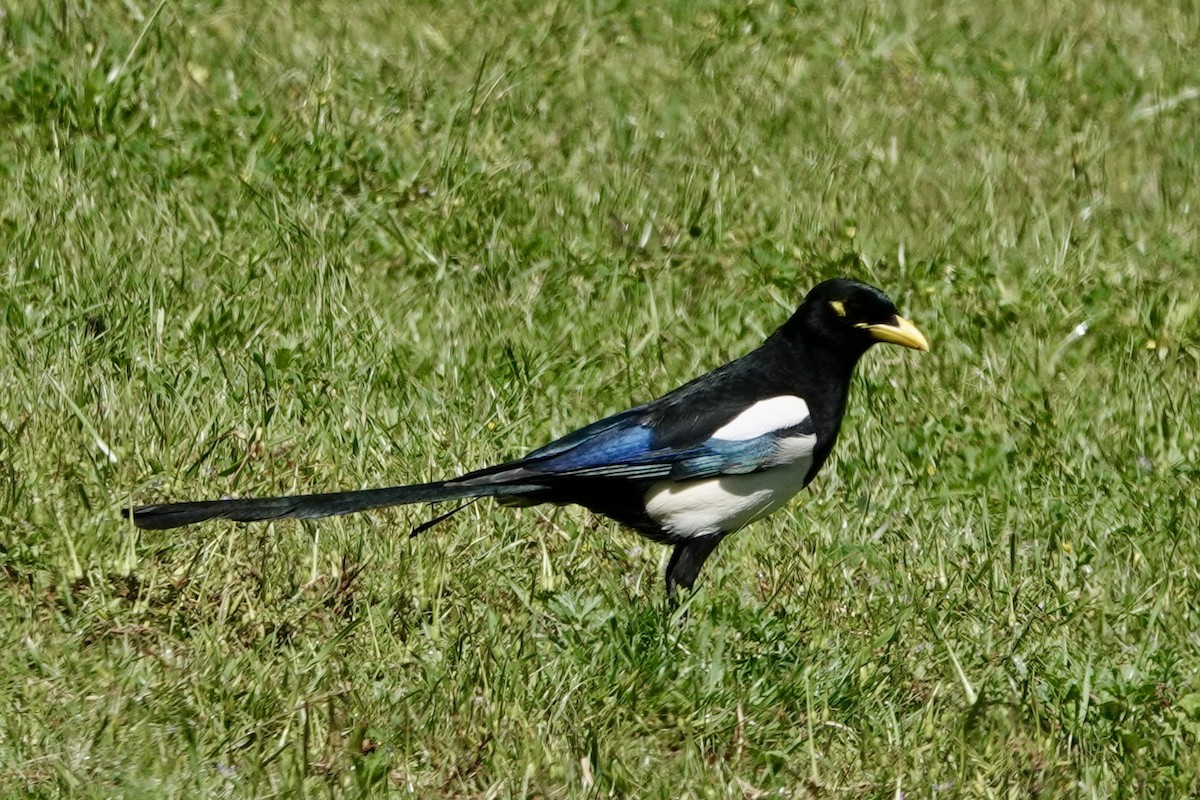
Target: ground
255,248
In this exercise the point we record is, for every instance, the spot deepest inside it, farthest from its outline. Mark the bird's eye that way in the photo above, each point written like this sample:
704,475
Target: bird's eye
838,307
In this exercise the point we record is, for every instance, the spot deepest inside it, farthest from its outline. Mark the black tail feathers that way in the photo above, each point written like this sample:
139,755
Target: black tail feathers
310,506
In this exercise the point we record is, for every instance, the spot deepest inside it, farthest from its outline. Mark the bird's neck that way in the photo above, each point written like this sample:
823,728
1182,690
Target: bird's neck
821,375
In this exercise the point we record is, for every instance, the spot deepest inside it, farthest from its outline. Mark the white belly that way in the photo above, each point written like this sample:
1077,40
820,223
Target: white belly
711,505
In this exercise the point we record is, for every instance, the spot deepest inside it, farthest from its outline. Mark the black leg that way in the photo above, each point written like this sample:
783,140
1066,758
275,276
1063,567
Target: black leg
687,560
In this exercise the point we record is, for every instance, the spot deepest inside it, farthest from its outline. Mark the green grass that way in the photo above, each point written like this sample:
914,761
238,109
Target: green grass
255,248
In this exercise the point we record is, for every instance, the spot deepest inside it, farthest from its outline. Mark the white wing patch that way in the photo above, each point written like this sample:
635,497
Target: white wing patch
772,414
793,449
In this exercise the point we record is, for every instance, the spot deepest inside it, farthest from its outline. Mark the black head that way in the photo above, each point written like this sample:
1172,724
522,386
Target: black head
848,317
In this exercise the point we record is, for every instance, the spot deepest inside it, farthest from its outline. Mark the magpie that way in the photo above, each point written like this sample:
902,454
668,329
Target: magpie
685,470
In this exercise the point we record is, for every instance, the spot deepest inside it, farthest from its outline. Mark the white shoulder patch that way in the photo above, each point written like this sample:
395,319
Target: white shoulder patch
772,414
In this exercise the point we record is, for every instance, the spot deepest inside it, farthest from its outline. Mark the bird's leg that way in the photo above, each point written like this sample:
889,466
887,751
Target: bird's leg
686,561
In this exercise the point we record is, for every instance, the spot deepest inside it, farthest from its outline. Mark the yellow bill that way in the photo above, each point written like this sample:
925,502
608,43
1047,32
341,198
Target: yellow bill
899,331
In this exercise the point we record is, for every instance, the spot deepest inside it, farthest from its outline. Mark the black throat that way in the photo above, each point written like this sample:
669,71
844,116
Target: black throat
820,372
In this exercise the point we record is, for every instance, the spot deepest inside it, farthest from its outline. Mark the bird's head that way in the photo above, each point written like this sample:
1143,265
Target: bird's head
850,317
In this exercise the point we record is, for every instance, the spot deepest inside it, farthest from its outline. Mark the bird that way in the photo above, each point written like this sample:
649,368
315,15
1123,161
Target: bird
685,470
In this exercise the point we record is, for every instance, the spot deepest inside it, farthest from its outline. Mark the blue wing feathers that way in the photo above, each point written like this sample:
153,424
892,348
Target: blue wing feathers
611,447
628,445
586,434
629,452
724,457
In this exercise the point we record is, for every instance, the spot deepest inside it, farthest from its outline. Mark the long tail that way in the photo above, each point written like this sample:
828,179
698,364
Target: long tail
311,506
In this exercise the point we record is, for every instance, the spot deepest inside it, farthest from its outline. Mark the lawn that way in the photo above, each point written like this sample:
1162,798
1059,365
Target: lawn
256,248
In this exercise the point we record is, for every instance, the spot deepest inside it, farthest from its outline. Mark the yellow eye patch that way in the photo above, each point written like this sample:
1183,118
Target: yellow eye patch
838,307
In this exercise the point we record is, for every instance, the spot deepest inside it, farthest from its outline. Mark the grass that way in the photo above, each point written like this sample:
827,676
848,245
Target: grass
256,248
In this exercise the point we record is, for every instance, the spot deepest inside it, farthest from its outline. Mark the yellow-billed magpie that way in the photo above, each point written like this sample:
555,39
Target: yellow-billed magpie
686,469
